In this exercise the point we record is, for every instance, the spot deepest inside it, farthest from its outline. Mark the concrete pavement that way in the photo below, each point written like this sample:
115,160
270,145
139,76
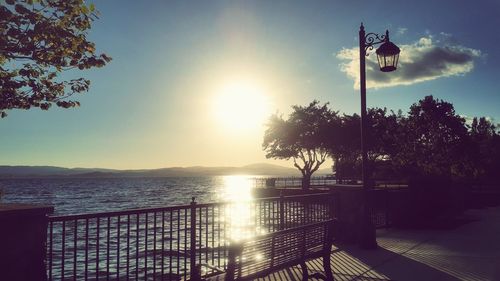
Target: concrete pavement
467,249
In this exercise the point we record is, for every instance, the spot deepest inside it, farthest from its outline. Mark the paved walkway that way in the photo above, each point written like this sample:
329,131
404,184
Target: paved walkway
468,250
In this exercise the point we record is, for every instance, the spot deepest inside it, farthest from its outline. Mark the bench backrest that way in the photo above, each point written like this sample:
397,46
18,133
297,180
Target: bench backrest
271,252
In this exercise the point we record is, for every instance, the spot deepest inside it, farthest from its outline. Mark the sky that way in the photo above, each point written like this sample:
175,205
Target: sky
192,82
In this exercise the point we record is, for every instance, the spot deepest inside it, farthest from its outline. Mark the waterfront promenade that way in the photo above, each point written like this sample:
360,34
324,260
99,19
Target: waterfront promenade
465,249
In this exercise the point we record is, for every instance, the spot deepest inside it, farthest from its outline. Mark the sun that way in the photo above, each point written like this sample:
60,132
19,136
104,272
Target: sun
241,106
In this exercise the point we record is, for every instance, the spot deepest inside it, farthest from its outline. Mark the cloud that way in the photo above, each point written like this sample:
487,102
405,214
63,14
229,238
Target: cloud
402,30
424,60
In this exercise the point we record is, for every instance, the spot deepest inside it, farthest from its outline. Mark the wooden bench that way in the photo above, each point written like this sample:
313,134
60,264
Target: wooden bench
265,254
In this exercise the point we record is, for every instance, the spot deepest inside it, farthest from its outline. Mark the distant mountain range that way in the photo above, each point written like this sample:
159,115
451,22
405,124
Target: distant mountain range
263,169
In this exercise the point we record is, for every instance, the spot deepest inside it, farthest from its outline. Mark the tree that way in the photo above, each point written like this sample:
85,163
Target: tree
40,39
432,139
345,148
484,149
345,143
302,137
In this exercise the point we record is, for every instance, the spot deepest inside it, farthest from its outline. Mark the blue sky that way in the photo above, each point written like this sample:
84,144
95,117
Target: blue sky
153,105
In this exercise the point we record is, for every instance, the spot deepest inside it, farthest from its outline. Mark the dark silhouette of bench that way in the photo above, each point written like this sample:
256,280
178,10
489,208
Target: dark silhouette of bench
268,253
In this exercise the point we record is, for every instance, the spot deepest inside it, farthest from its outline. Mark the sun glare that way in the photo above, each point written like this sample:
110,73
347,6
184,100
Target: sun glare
238,191
241,106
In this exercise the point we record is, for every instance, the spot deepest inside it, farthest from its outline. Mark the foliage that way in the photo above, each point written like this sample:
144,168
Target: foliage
301,137
485,149
345,146
432,139
430,142
38,41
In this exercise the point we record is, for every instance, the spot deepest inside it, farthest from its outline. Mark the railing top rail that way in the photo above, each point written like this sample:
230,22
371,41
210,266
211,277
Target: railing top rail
171,208
118,213
291,177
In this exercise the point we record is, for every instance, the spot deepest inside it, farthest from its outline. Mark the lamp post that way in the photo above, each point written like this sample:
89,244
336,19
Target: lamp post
387,56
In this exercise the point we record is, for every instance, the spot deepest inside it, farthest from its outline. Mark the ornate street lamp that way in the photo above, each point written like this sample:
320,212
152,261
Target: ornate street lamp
388,56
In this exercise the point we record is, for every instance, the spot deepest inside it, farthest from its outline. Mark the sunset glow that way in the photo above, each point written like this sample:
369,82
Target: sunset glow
241,106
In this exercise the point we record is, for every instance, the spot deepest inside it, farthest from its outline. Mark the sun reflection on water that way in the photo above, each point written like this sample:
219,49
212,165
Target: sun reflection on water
237,190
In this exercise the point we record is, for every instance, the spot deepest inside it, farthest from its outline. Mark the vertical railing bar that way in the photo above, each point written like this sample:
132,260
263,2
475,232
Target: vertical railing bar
108,244
281,219
51,241
162,244
154,246
185,243
289,213
255,218
271,214
137,247
146,248
288,208
178,241
97,249
275,214
75,229
118,248
218,235
170,240
294,217
128,246
225,233
201,233
213,234
206,235
86,249
387,204
314,213
63,248
194,275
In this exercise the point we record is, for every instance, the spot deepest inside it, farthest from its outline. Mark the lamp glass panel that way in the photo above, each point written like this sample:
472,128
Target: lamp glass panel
389,60
381,60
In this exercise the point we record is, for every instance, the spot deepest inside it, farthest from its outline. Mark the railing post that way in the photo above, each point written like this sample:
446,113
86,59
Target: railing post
387,211
282,211
194,270
331,205
23,239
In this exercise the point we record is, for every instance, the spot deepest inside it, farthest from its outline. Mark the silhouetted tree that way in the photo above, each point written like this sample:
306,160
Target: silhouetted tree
345,145
345,148
301,137
432,139
485,149
38,41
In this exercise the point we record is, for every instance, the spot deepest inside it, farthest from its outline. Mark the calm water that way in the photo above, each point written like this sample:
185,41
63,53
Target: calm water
71,196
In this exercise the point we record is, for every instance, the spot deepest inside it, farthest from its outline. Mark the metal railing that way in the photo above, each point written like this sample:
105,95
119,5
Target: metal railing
167,243
321,181
292,182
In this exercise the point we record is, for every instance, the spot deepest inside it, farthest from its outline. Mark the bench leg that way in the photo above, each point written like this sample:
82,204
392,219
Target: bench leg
305,273
327,267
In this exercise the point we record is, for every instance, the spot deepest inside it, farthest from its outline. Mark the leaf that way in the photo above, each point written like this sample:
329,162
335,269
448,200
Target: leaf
49,38
84,9
21,9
